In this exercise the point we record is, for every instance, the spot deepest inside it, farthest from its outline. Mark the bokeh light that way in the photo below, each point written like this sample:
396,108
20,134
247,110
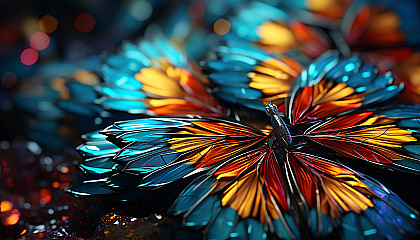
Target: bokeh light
5,206
48,24
12,218
30,26
29,56
141,10
45,196
64,169
8,79
221,26
9,31
39,41
55,184
84,23
196,10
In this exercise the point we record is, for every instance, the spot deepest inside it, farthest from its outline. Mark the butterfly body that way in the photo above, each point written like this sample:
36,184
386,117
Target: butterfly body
280,130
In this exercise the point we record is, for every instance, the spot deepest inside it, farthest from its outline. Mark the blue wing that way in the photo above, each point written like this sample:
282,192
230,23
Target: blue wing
237,185
246,76
333,85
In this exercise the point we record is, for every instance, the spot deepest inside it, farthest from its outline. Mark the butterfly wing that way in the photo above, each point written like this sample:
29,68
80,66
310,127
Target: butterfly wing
298,195
333,86
277,31
247,76
240,198
153,78
386,136
381,24
385,33
365,207
331,94
163,149
237,185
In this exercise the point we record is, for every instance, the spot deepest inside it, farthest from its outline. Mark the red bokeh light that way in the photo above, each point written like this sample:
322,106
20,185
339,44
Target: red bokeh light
45,196
84,23
39,41
29,56
55,184
9,32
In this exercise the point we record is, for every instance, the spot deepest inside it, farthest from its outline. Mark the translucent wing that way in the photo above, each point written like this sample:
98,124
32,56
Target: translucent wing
366,207
155,79
261,194
162,150
236,184
149,78
245,196
247,76
386,34
387,136
333,86
402,24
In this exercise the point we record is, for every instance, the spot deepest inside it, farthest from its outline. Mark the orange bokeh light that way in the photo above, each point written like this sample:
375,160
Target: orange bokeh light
64,169
11,219
48,24
45,195
84,23
221,26
5,206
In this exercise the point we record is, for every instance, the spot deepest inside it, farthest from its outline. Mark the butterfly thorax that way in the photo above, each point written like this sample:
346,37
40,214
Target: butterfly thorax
280,130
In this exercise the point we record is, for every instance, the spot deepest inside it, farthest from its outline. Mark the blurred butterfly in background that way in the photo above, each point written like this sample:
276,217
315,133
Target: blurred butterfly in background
383,33
156,78
153,78
276,31
366,26
237,181
40,97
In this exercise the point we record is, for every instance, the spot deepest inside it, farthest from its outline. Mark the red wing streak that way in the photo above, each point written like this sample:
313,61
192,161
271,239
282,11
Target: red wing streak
363,135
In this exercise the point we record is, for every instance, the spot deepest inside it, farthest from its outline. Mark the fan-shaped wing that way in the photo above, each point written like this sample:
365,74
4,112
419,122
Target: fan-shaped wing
162,150
332,86
247,76
387,136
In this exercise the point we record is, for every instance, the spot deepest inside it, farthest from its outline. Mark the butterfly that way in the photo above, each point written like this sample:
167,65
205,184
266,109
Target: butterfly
276,30
289,181
370,26
379,30
148,77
